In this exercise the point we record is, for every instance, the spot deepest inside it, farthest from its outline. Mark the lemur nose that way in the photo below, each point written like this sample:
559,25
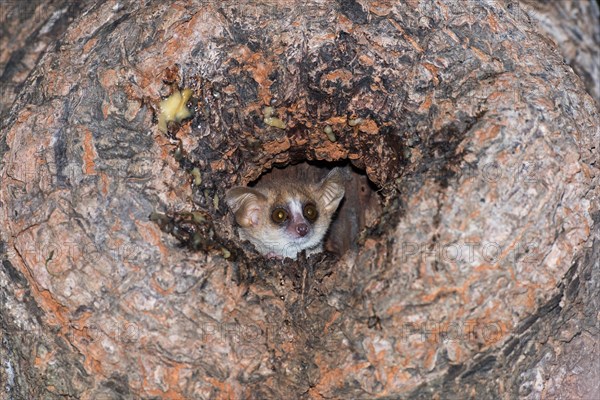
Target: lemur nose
302,229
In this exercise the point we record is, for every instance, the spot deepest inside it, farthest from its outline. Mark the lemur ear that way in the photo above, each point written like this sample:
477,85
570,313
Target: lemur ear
246,203
331,189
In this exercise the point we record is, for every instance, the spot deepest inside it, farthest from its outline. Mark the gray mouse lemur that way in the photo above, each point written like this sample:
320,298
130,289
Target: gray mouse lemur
283,219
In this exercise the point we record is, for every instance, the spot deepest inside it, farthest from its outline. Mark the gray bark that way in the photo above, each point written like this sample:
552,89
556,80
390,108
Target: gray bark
477,278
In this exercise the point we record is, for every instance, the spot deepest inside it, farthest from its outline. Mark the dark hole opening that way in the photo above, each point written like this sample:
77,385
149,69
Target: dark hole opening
360,208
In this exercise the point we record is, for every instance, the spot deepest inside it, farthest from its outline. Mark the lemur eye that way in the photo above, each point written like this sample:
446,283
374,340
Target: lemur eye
279,215
310,212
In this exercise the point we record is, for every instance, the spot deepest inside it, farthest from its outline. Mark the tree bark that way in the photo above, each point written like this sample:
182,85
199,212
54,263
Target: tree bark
121,275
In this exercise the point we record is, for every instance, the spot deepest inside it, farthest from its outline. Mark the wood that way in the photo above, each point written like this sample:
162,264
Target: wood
121,278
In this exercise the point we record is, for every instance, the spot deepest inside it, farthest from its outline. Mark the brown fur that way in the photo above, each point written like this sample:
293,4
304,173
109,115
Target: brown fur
252,208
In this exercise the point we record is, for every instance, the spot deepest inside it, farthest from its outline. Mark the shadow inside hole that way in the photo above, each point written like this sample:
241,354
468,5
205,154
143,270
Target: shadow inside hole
360,208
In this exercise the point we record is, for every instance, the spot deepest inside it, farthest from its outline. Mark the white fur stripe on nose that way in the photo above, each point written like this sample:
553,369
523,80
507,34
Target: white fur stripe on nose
296,209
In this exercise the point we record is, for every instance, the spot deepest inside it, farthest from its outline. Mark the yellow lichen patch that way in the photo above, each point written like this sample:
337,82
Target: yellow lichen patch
276,122
270,120
329,132
197,177
226,253
173,108
268,111
198,217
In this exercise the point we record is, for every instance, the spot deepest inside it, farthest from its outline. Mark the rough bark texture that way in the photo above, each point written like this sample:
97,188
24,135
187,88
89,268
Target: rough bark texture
479,278
572,25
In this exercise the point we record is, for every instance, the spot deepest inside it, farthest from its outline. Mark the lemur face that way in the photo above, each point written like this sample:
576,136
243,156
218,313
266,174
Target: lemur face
283,220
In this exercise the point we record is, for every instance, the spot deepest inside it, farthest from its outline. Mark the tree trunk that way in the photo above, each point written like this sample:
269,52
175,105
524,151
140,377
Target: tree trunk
470,269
